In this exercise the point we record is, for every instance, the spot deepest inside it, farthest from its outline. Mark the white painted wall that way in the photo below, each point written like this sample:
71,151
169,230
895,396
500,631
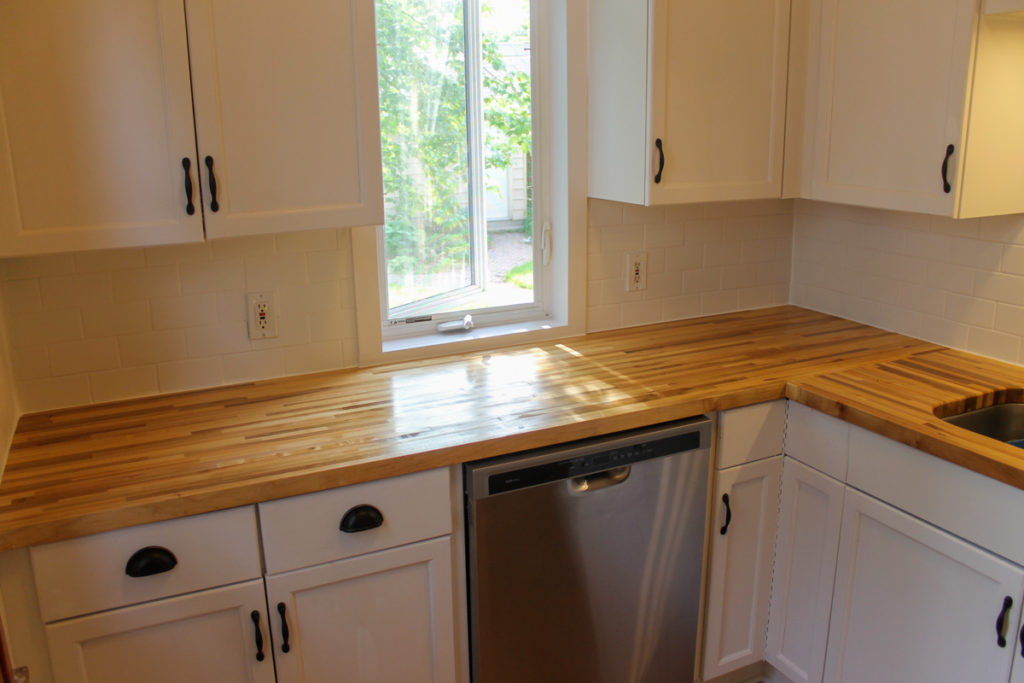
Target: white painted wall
959,283
9,409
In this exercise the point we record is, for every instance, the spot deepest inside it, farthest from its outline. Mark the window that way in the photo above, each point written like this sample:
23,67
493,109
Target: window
458,137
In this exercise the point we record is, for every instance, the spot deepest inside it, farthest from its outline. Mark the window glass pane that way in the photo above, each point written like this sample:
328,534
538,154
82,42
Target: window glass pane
451,246
421,62
505,37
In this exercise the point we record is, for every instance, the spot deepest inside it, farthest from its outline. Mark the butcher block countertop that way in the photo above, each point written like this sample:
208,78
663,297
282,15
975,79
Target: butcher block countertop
95,468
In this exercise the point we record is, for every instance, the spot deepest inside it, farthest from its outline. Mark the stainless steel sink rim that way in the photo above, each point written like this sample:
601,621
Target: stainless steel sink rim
1003,422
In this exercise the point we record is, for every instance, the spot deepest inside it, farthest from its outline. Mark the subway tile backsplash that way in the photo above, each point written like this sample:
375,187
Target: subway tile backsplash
100,326
959,283
702,259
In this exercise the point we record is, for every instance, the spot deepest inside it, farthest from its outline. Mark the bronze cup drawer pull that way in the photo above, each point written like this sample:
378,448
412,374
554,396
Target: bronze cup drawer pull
361,518
149,561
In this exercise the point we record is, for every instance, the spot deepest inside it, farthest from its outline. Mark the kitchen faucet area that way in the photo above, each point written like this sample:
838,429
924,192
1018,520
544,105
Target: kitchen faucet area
487,341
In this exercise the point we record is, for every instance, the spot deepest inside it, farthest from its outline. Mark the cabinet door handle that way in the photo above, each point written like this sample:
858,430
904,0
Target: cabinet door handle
255,616
661,162
212,179
285,647
1001,621
728,513
946,187
186,164
361,518
149,561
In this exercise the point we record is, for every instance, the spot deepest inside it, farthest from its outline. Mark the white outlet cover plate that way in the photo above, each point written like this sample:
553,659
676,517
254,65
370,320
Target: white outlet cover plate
636,271
265,326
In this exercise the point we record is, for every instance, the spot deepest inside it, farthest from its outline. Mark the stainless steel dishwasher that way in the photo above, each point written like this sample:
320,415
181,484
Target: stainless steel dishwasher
585,560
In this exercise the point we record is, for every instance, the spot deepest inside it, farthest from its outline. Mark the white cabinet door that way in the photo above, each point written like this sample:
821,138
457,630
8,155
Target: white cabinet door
742,543
810,517
705,79
286,113
95,122
718,98
913,603
205,636
382,617
892,86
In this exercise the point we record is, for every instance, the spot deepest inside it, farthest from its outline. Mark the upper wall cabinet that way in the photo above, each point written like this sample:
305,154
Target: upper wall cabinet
920,107
286,111
95,125
687,99
98,144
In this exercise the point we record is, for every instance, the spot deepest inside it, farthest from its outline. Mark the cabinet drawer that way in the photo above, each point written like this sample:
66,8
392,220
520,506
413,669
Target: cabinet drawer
89,574
818,440
305,530
750,433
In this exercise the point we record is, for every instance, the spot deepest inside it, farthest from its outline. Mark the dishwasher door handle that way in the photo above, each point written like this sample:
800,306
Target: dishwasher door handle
599,480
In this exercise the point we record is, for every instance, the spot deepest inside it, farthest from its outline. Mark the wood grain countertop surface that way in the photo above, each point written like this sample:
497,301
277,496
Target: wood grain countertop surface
84,470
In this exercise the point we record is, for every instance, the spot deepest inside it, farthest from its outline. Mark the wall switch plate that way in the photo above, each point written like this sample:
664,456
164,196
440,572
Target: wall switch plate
262,314
636,271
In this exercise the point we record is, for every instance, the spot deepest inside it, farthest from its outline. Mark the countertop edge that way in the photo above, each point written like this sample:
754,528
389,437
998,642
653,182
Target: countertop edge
274,487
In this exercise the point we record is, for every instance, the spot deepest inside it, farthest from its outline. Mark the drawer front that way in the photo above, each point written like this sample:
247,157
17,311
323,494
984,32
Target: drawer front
89,574
750,433
304,530
818,440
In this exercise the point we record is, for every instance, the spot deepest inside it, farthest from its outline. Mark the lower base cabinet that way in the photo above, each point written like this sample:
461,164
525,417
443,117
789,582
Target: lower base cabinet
913,603
869,584
210,635
353,584
810,516
378,618
742,541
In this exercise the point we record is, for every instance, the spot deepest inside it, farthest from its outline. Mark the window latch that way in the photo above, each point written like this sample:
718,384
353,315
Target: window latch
545,244
464,325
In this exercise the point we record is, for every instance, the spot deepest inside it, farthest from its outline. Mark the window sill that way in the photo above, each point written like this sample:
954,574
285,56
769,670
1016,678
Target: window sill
491,336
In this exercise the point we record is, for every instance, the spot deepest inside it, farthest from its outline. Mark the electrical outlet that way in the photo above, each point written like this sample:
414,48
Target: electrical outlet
262,310
636,271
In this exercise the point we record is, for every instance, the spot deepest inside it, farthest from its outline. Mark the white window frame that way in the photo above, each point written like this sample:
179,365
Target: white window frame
540,64
559,65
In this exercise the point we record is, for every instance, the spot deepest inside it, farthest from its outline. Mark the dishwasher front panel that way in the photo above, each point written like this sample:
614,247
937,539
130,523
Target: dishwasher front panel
585,561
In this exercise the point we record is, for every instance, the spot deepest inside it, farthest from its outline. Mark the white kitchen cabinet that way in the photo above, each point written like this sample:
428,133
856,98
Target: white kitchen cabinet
286,108
211,635
97,143
362,579
380,617
746,501
700,84
810,516
919,107
913,603
177,600
95,122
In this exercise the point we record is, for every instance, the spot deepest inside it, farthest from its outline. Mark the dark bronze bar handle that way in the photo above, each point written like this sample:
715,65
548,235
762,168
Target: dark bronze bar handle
149,561
212,178
255,616
661,162
361,518
946,187
285,647
186,164
728,513
1001,621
